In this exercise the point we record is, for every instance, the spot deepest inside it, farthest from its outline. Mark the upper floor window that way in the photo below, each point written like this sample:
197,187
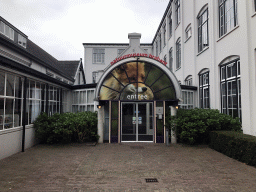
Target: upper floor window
171,59
160,42
22,41
178,54
170,24
119,51
203,30
6,30
165,58
98,55
177,7
227,15
164,34
156,48
188,32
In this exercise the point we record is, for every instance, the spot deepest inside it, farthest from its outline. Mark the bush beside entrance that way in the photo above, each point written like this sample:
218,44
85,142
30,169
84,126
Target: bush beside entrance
194,125
67,127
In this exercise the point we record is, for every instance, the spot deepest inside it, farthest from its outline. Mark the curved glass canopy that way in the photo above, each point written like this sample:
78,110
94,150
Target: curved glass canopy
137,81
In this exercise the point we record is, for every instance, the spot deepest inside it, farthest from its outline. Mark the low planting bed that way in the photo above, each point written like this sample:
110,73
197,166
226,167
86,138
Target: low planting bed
236,145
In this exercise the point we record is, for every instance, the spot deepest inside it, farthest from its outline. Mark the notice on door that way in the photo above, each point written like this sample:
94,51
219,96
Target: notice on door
134,118
140,122
133,122
140,118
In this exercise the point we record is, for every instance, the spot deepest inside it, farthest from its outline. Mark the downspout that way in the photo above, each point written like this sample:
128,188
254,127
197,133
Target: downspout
24,113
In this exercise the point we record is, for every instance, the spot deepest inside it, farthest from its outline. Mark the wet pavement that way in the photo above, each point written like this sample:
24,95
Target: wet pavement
124,167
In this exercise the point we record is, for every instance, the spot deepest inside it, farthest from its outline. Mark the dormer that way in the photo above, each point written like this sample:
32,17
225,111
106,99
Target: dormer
12,33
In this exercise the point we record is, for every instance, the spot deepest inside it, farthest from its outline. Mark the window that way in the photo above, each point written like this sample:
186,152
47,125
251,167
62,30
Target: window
204,97
203,31
54,100
227,15
119,51
22,41
231,89
11,100
188,80
36,100
165,58
98,56
188,32
6,30
177,6
83,100
178,54
188,100
160,42
156,48
170,24
164,34
171,59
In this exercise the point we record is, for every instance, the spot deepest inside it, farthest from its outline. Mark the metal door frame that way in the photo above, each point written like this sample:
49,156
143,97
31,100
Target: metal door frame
137,123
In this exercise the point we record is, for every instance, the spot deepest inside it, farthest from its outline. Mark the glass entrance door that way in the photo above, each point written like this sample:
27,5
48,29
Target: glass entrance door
137,122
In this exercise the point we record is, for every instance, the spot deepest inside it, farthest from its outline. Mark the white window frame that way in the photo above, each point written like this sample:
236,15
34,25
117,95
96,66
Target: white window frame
204,90
203,30
8,31
227,16
188,99
98,56
78,105
178,54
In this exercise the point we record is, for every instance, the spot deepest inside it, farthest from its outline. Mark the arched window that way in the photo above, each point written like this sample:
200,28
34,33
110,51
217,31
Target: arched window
178,54
188,80
204,89
203,35
230,86
188,31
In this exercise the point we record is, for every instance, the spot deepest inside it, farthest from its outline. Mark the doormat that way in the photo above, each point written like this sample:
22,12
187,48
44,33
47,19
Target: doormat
137,147
151,180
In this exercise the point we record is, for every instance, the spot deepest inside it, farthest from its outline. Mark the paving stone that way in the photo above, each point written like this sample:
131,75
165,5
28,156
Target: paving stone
124,167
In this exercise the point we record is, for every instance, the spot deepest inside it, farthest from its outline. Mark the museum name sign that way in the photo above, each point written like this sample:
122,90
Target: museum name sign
139,55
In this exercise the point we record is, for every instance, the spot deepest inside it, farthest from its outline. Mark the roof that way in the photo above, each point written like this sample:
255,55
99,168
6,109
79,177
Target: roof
69,67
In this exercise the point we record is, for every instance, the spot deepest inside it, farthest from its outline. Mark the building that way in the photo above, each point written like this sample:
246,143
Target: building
203,55
31,82
210,49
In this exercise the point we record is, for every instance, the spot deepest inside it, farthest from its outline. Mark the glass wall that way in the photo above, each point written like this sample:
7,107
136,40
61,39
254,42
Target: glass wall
83,100
11,89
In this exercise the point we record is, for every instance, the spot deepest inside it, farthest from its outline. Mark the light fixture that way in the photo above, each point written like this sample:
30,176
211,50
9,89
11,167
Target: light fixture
177,107
99,106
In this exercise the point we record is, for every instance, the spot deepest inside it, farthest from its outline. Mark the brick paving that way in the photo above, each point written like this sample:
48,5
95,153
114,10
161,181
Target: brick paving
124,167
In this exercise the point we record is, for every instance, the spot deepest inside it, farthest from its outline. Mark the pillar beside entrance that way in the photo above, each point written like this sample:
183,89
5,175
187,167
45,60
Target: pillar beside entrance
100,123
173,133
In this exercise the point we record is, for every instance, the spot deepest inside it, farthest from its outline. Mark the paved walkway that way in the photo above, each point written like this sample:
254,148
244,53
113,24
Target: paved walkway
124,167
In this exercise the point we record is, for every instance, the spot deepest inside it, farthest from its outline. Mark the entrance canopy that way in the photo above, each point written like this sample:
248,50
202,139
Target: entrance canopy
138,78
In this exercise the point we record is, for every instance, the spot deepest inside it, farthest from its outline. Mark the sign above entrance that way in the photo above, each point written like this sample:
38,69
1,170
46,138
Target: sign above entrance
139,55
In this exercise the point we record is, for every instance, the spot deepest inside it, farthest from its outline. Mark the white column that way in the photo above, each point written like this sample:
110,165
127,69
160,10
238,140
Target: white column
100,123
173,133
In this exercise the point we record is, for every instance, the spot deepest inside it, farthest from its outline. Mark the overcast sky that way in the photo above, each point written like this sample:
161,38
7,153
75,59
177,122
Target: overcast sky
60,27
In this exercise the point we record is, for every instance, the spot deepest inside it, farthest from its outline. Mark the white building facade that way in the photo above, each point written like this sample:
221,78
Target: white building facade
209,46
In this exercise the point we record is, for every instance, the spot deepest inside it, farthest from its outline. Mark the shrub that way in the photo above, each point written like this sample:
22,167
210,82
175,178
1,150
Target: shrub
67,127
236,145
193,125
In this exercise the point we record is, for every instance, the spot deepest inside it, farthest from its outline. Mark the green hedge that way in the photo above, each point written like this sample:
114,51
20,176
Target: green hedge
236,145
66,127
193,125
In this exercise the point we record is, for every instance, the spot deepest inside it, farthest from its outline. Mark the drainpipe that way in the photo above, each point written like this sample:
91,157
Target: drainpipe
24,113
